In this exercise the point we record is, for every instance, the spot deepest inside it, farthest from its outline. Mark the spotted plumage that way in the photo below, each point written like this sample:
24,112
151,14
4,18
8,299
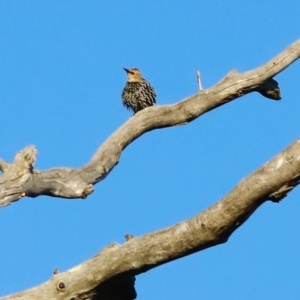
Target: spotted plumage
138,92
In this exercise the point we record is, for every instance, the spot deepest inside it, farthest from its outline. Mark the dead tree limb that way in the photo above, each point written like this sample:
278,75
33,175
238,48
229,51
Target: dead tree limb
78,183
110,274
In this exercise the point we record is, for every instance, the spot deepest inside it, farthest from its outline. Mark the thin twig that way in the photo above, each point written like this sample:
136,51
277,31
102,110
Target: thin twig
199,81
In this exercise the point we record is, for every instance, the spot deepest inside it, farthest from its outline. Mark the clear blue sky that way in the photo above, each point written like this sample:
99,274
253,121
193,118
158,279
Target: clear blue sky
60,83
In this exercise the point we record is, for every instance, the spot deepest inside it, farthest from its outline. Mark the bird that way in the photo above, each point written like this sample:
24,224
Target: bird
138,92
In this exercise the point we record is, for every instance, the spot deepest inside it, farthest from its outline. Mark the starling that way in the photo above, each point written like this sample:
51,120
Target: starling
138,92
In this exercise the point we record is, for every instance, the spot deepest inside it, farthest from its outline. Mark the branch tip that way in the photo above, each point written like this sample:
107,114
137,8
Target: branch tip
200,87
26,157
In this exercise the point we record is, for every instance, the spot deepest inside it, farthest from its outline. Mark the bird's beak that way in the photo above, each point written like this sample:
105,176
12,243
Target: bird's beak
126,70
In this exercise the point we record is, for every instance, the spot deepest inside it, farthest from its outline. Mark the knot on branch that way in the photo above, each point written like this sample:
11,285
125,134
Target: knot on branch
270,89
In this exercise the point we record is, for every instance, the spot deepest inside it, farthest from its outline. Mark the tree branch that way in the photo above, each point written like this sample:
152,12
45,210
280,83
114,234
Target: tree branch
116,265
78,183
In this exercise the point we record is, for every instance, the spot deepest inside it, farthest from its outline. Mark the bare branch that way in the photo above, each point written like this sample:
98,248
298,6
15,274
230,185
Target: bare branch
78,183
20,179
116,265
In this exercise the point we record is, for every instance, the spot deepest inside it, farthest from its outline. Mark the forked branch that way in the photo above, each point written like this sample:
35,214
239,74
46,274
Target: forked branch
78,183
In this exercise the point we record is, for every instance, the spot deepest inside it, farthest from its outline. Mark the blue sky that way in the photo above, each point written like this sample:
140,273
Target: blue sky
61,79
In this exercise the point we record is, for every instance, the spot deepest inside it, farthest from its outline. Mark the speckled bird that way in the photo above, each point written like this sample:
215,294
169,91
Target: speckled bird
138,92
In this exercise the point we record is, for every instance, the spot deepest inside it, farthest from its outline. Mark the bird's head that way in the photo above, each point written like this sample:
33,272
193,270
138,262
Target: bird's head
133,74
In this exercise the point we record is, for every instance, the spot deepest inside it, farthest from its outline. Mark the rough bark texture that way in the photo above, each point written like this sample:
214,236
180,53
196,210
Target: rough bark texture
110,274
20,179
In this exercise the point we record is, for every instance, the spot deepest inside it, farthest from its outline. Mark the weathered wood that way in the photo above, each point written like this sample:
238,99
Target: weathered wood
110,274
78,183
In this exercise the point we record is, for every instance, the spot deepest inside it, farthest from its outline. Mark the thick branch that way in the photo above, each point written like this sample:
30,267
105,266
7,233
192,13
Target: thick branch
77,183
119,263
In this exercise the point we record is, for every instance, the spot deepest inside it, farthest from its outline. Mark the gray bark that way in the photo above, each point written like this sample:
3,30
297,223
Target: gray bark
110,274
